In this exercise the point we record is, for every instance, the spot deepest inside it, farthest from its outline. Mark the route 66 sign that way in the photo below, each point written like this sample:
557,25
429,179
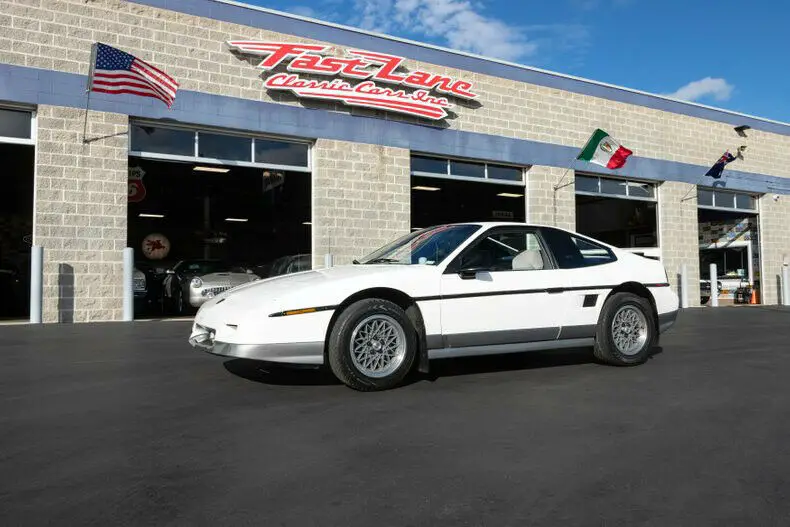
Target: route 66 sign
136,191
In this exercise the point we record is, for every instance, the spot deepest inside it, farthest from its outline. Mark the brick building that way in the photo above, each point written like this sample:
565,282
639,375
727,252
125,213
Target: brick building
242,170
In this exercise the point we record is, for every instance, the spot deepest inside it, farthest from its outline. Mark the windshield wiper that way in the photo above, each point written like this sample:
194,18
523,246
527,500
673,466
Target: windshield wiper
355,262
383,260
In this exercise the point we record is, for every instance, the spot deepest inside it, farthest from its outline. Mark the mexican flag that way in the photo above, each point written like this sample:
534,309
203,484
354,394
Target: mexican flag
603,149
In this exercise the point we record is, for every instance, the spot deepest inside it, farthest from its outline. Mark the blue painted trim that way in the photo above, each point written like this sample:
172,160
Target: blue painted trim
352,38
35,86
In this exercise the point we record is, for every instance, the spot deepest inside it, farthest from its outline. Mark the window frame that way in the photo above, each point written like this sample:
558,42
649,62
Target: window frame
196,158
626,180
449,175
454,267
732,194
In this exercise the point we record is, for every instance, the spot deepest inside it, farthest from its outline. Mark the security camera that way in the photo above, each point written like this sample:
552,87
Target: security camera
776,197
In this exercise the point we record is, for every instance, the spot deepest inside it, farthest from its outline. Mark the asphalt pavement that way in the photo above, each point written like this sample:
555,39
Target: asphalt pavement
126,424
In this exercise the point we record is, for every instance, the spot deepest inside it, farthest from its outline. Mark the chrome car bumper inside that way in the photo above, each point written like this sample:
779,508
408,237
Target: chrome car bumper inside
204,338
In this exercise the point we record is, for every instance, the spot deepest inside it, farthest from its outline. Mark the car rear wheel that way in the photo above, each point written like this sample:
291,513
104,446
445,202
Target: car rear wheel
372,345
626,331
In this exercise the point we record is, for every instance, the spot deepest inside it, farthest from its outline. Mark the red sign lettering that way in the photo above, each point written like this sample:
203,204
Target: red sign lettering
366,66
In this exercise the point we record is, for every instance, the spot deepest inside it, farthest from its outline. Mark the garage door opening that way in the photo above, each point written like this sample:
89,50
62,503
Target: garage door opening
17,152
620,212
453,191
729,238
204,223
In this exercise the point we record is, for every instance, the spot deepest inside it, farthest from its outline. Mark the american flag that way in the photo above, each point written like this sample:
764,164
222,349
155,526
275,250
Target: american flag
115,71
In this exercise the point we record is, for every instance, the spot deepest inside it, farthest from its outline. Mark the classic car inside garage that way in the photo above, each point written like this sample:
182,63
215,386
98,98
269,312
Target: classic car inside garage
202,203
17,132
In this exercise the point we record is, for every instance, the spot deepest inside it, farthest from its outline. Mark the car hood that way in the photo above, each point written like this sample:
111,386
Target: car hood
331,285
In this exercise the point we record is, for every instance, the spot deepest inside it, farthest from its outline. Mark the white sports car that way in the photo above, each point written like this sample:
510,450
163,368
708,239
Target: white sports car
447,291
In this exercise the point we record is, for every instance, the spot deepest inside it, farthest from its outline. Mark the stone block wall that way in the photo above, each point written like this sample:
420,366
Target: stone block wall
679,235
775,241
545,205
362,196
80,213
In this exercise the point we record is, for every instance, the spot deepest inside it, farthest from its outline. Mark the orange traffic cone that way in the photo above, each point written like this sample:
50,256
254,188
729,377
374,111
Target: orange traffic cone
753,299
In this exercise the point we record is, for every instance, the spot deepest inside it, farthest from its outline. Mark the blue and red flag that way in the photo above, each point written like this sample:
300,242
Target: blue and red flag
716,170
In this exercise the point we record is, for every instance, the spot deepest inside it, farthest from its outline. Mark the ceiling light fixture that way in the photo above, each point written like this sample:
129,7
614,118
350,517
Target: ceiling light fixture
510,195
307,223
211,169
241,220
144,215
431,189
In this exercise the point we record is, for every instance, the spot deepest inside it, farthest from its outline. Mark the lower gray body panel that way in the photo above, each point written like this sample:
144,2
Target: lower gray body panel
290,353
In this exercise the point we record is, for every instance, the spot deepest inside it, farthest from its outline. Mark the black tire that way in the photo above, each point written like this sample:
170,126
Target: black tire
605,348
339,347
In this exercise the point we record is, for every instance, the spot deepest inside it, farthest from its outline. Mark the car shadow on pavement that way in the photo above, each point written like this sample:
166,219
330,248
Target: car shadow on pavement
267,373
274,374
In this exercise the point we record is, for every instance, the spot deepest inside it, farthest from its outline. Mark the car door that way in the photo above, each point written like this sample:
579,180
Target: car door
501,290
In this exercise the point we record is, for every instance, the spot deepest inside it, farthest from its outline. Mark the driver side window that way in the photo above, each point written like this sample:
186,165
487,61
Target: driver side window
512,250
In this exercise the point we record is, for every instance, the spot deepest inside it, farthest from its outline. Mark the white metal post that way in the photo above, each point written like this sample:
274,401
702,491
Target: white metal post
684,287
36,283
128,276
785,285
714,289
328,260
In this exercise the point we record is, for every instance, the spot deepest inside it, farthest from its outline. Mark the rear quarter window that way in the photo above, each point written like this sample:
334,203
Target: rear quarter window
572,251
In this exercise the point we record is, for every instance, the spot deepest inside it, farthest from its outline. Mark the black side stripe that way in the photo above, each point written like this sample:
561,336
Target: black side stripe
552,290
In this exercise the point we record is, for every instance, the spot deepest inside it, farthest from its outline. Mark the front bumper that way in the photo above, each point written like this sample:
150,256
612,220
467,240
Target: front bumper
203,338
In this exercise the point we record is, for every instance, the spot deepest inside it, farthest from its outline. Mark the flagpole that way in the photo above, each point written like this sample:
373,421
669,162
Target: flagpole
88,90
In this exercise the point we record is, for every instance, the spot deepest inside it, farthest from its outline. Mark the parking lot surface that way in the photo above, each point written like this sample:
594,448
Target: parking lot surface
126,424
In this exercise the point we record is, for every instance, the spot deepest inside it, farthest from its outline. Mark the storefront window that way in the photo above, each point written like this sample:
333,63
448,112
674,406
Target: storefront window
15,123
232,148
465,169
613,187
586,184
280,153
162,140
743,201
430,165
726,200
169,143
705,197
505,173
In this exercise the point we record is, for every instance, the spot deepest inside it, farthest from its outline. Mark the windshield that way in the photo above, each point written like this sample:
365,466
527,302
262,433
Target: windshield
426,246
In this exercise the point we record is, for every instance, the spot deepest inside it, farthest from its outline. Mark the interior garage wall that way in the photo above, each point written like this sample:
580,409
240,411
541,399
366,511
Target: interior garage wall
80,213
362,196
775,235
679,236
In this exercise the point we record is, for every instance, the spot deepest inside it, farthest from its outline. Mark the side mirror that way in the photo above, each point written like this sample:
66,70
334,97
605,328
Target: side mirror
470,273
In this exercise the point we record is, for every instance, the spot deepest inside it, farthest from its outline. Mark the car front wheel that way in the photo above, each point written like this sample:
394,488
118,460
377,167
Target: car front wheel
372,345
626,331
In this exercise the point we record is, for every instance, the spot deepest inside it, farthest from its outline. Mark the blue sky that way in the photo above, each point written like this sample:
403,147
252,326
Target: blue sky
727,54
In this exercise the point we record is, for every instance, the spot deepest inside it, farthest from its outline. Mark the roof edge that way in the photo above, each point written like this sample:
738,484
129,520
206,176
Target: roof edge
499,61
